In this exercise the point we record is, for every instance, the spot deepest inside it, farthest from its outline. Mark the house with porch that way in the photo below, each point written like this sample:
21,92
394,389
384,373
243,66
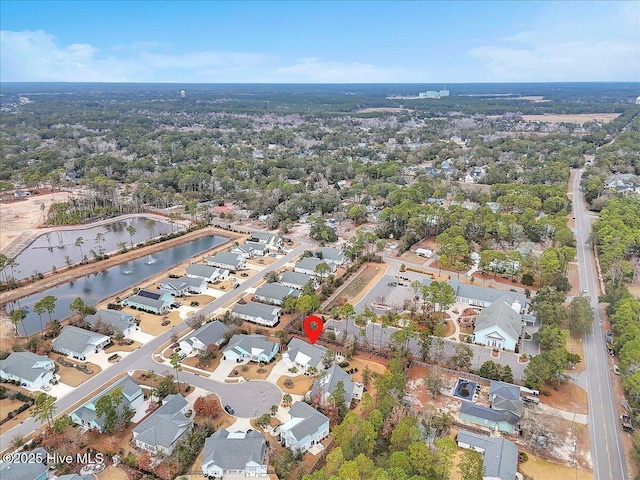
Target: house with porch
272,241
253,347
478,296
275,293
304,356
181,286
331,255
207,273
236,454
250,250
227,261
29,369
211,333
132,397
495,420
267,315
78,342
327,381
499,455
145,300
116,320
305,428
297,280
308,266
498,326
161,430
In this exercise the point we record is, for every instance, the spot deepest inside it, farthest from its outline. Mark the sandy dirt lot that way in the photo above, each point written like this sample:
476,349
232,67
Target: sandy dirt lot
301,384
113,473
578,118
72,376
544,470
22,217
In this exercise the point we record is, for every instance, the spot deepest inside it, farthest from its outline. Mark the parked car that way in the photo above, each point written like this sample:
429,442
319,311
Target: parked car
393,284
229,410
616,369
46,388
609,336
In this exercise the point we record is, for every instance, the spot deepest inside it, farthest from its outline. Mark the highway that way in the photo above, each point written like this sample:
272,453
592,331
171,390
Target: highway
607,453
142,359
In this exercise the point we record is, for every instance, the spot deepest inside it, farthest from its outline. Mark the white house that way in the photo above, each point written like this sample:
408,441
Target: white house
304,356
255,348
484,296
273,242
227,261
297,280
238,454
326,383
500,456
29,369
331,255
498,326
308,266
305,428
117,320
160,431
275,293
424,252
180,286
259,313
250,250
79,343
212,333
207,273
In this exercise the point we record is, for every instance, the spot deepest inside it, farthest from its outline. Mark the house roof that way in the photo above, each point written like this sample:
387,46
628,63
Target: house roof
20,364
176,283
257,310
309,263
210,333
276,291
295,278
306,354
504,389
150,298
226,258
262,237
485,294
22,471
329,253
77,476
500,314
200,270
305,420
77,339
164,426
233,451
114,318
253,343
327,383
486,413
500,455
130,391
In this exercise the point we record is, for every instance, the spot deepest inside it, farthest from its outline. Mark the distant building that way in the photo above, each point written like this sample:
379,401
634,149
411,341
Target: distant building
434,94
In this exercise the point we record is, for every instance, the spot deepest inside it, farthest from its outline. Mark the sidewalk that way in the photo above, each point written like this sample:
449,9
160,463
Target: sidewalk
574,417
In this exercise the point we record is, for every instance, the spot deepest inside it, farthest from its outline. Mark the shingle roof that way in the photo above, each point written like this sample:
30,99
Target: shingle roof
21,365
150,298
200,270
328,383
250,343
314,353
130,390
309,263
480,411
21,471
258,310
114,318
276,291
504,389
233,451
329,253
165,425
226,258
500,314
77,339
305,420
500,455
295,278
485,294
210,333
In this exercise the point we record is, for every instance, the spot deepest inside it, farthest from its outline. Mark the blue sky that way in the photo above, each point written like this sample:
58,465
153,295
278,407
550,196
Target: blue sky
319,42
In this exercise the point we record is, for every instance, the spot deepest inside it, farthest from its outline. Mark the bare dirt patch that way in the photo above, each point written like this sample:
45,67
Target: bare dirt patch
301,384
9,405
71,375
152,324
261,261
541,469
254,371
116,347
113,473
569,396
360,285
578,118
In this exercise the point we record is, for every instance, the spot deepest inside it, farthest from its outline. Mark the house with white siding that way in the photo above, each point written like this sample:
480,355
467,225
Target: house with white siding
79,343
308,266
29,369
304,356
235,454
211,333
250,250
116,320
499,455
145,300
275,293
206,272
160,431
272,241
498,326
331,255
181,286
298,280
327,381
267,315
253,347
305,428
228,261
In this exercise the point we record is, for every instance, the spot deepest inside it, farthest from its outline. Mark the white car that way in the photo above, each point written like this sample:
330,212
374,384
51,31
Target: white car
46,388
616,369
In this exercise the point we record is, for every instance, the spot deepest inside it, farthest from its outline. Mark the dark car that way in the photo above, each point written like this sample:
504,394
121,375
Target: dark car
229,410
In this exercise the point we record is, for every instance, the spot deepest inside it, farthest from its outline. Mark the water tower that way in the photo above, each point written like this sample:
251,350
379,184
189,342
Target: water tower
183,94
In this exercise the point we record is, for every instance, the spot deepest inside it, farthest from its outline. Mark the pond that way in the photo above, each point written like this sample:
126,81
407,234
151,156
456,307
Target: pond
98,286
60,248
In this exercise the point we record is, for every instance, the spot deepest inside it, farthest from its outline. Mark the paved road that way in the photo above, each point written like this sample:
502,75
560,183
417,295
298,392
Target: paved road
604,430
257,393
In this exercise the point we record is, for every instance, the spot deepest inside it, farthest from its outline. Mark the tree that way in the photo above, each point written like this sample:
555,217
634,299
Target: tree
176,363
537,372
78,306
99,239
463,356
446,449
150,224
116,414
17,316
48,304
38,308
308,303
44,408
337,397
61,423
322,269
165,387
471,465
131,230
263,420
580,316
434,382
206,406
357,213
78,243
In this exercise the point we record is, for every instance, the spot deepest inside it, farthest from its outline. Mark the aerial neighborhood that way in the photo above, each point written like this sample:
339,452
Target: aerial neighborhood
470,271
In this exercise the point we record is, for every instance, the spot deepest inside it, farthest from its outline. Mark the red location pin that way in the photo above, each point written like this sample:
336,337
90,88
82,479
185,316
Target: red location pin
313,326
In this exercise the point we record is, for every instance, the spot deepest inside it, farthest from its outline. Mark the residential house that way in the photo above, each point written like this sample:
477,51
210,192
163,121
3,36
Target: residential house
499,456
148,301
308,266
160,431
132,397
180,286
273,242
23,471
250,250
29,369
331,256
255,348
506,397
326,383
498,326
424,252
305,428
116,320
79,343
212,333
484,296
496,420
237,453
267,315
228,261
297,280
77,476
207,273
275,293
304,356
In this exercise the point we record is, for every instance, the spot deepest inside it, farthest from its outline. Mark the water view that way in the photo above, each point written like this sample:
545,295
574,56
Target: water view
96,287
57,249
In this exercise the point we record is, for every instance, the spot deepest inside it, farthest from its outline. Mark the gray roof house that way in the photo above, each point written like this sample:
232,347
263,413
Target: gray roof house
272,241
149,301
117,320
160,431
259,313
331,255
240,453
211,333
132,398
77,476
498,326
308,266
500,456
304,356
227,260
304,429
250,249
182,285
484,296
206,272
28,368
23,471
297,280
254,347
326,383
79,343
502,421
275,293
505,396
